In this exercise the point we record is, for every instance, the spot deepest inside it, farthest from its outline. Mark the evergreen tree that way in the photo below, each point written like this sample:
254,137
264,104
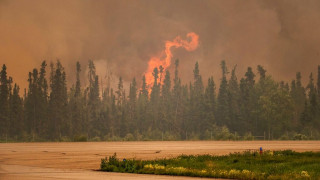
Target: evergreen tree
4,102
166,87
78,83
142,106
154,101
210,101
58,102
36,104
167,122
93,84
133,92
262,72
113,114
43,99
299,98
122,127
180,105
177,98
233,102
132,112
93,103
223,106
16,114
318,83
248,102
310,114
76,105
177,82
200,123
262,88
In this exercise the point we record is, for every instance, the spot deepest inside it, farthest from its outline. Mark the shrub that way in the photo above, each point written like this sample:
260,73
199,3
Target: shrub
152,135
193,136
138,136
167,136
129,137
96,139
80,138
284,137
248,137
109,137
223,133
300,137
64,139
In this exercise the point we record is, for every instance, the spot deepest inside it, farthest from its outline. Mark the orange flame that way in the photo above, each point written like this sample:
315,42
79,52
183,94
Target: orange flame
164,59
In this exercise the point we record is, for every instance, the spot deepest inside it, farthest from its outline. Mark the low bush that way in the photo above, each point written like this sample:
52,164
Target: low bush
129,137
300,137
95,139
64,139
80,138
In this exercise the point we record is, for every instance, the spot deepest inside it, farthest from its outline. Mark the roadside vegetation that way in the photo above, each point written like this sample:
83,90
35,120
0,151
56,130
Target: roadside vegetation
247,165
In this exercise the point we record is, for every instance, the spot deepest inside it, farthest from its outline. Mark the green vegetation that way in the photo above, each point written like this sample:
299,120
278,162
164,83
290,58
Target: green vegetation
248,165
254,107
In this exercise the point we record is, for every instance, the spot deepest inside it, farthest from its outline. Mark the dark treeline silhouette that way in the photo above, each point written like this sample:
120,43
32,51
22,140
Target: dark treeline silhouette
256,106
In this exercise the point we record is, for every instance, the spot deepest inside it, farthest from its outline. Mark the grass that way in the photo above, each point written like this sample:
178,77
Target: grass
247,165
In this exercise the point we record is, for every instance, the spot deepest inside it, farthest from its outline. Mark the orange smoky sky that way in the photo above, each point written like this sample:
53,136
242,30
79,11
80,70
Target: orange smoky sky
283,36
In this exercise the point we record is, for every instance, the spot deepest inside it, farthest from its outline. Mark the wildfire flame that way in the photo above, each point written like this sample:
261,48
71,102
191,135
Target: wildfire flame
164,59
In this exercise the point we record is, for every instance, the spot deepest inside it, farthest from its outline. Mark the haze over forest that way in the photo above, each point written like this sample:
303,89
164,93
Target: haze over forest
283,36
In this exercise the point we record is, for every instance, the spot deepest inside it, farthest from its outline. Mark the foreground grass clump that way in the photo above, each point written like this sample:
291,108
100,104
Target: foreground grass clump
247,165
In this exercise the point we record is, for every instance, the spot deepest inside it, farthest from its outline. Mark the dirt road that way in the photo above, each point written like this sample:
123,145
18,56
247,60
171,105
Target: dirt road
79,160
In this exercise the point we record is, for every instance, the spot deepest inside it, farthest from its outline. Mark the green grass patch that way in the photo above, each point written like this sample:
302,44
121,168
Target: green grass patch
247,165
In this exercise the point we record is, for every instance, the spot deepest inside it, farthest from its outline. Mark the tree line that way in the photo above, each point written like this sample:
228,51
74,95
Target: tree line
256,106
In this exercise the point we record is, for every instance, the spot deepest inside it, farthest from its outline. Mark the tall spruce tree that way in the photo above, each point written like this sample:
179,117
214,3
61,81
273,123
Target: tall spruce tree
318,83
76,105
310,115
210,101
177,98
233,102
297,93
121,104
223,106
167,122
36,104
78,83
59,125
4,102
16,114
248,102
43,99
155,100
197,106
143,102
132,107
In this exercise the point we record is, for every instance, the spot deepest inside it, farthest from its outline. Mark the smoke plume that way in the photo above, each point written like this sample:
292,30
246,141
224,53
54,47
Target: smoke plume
283,36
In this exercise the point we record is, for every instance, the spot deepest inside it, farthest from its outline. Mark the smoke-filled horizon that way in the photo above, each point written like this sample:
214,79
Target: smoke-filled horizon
123,35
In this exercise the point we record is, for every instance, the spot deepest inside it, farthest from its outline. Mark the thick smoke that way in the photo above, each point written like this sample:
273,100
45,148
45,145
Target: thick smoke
283,36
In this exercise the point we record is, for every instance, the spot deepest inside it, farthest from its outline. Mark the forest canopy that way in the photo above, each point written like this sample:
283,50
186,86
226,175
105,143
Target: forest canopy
254,106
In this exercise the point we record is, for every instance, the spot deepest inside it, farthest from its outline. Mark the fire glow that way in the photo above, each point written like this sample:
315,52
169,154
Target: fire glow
165,57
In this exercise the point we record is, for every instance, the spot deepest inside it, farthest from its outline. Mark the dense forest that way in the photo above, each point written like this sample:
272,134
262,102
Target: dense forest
253,107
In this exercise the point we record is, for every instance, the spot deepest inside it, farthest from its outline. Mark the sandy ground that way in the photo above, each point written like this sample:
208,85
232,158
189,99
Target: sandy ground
80,160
